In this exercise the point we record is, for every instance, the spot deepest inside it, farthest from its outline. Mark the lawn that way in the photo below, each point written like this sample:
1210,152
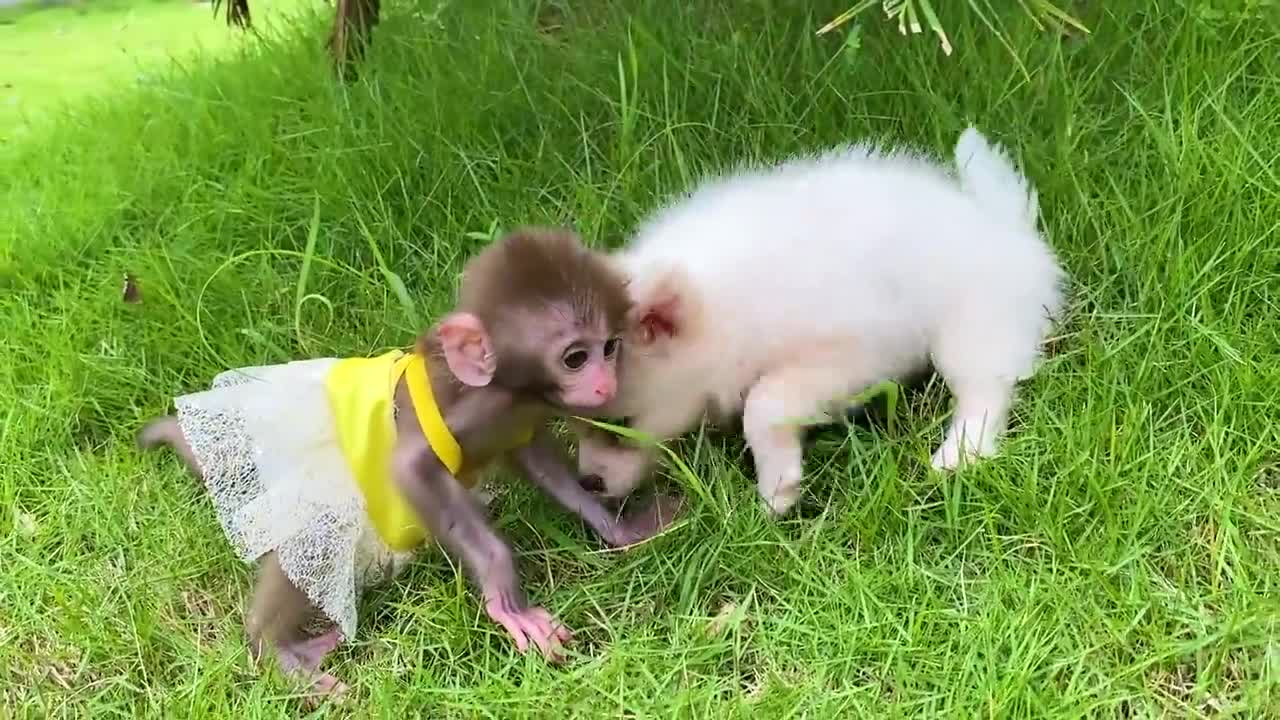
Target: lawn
1121,558
54,56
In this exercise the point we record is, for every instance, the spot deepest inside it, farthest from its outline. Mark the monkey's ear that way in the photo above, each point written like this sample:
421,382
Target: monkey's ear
467,349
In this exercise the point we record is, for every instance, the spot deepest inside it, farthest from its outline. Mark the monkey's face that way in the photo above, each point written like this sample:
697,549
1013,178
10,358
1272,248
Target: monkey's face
568,359
584,368
539,315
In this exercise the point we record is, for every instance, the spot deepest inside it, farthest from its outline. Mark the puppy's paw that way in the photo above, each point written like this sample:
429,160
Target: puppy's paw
779,484
953,453
947,456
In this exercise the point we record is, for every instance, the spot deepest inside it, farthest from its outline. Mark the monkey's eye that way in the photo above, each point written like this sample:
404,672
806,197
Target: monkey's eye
610,347
575,359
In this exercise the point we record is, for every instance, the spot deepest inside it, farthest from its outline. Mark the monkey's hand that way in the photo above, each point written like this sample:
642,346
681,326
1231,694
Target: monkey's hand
644,524
528,623
448,510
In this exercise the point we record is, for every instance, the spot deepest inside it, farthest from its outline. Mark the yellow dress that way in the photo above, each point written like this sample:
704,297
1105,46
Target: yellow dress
362,397
297,461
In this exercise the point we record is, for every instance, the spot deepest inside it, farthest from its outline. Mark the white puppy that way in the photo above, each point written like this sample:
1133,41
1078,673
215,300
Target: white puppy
778,292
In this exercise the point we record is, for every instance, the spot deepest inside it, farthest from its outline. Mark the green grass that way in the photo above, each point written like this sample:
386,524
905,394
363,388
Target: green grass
1119,559
51,57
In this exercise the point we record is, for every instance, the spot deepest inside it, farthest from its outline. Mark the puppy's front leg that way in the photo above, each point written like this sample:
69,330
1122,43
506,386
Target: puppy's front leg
778,408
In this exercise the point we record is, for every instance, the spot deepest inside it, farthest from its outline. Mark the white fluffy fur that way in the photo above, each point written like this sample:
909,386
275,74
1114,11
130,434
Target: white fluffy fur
794,286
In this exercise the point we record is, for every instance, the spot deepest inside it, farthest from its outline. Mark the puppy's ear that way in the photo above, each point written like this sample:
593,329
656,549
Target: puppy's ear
659,306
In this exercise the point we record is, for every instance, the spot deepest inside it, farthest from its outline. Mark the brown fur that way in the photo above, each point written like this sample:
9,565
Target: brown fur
531,272
542,266
533,287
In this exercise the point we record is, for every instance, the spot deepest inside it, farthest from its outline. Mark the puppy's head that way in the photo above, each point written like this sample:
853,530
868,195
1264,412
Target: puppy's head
609,466
658,376
660,336
662,308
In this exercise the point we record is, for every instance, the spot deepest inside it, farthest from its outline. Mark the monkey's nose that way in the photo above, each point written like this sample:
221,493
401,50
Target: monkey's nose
592,483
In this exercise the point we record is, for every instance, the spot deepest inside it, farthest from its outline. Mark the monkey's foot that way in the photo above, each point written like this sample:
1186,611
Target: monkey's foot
642,525
300,659
307,654
533,623
324,688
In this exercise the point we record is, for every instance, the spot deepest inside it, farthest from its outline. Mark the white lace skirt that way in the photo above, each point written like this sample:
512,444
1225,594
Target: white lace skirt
267,444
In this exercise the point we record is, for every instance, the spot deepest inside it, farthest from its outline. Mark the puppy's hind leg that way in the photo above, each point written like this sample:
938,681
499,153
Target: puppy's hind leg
982,409
982,356
777,409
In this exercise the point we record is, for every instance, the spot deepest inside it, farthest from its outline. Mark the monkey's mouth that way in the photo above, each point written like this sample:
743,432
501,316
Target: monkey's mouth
596,407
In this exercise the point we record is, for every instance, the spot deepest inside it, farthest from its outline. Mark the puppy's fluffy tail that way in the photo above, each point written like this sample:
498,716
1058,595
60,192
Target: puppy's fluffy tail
988,174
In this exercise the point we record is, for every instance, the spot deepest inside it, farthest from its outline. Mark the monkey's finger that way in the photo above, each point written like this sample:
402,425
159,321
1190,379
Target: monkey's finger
555,627
513,628
550,636
510,620
557,655
540,616
542,636
329,685
552,649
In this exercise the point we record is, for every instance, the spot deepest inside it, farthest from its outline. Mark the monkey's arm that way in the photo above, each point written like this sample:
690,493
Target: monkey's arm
542,461
448,511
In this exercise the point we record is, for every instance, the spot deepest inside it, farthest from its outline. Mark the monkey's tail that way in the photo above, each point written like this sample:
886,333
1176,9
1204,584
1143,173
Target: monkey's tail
988,174
157,432
166,431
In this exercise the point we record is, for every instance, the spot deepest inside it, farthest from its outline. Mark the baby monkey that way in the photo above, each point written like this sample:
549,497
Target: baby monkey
331,472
